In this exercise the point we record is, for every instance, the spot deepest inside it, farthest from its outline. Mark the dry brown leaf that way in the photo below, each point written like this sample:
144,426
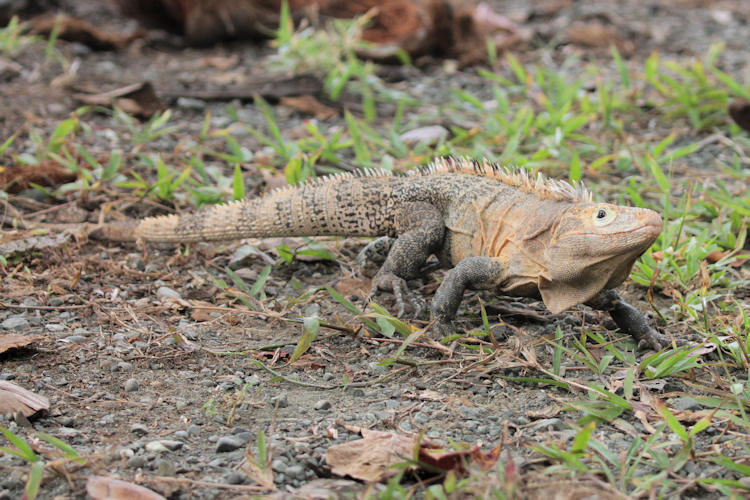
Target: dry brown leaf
12,341
371,458
597,34
78,30
358,287
138,99
14,398
108,488
717,255
261,474
48,173
310,105
450,459
546,412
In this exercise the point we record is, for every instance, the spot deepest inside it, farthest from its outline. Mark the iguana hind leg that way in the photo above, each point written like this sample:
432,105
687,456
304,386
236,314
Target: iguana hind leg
475,273
373,255
420,228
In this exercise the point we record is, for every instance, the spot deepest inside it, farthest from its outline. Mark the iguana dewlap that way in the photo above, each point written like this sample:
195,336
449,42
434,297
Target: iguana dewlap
496,228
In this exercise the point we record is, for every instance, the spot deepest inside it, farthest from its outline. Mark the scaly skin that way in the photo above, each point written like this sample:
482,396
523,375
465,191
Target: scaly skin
496,229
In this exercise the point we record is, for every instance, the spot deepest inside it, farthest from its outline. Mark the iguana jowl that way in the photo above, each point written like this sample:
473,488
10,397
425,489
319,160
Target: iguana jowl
495,228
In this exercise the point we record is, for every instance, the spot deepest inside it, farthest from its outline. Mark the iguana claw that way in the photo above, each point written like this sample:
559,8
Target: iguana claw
399,288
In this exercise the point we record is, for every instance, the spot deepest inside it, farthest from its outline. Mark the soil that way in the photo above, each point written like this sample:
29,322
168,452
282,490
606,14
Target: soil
127,363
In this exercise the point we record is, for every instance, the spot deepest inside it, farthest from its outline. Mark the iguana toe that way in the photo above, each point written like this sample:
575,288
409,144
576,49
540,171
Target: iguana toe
401,293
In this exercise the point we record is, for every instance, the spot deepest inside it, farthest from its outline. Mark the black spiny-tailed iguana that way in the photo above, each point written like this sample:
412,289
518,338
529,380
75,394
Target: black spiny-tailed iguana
496,229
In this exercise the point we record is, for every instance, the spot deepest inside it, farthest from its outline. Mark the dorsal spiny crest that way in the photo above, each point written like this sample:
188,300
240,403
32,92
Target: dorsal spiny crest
511,175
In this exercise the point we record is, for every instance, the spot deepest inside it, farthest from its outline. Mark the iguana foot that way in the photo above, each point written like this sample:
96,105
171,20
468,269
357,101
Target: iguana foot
389,282
441,329
630,320
373,255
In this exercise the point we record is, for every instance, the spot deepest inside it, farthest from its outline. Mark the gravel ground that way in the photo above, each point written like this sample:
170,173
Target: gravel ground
161,398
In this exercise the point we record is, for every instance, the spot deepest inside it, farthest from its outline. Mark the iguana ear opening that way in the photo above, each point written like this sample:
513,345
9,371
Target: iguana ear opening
559,295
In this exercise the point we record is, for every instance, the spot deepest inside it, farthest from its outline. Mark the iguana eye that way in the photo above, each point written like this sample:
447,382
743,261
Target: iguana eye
604,216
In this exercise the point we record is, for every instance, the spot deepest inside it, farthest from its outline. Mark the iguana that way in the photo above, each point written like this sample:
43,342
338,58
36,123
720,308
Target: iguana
496,228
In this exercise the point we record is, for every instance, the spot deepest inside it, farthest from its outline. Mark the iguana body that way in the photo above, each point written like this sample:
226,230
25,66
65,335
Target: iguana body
497,229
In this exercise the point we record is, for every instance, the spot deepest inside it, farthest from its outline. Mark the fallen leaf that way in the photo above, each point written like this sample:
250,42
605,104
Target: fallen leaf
358,287
14,398
546,412
261,474
371,458
310,105
108,488
19,177
451,459
597,34
8,342
717,255
138,99
739,110
78,30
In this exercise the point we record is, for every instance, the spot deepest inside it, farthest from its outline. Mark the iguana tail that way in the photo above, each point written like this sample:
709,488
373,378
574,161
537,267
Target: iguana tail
345,205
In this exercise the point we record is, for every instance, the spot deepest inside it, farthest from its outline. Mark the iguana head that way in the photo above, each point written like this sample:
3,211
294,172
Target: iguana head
592,248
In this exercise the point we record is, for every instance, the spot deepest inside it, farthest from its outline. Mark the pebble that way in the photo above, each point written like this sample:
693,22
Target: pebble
194,430
54,327
16,323
156,447
164,293
181,435
229,443
55,302
165,467
191,103
281,400
686,403
234,477
137,462
75,339
323,404
296,471
131,385
279,466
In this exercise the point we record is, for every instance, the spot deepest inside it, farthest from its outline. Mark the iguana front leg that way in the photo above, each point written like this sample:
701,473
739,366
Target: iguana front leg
629,319
475,273
421,228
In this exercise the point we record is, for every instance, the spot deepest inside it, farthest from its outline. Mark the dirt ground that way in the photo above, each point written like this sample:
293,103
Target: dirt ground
129,369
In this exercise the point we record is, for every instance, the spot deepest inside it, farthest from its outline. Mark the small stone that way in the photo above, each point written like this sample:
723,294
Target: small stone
194,430
278,465
686,403
165,467
171,444
296,471
191,103
55,302
131,385
156,447
16,323
181,435
234,477
323,404
137,462
280,400
54,327
228,443
75,339
165,293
